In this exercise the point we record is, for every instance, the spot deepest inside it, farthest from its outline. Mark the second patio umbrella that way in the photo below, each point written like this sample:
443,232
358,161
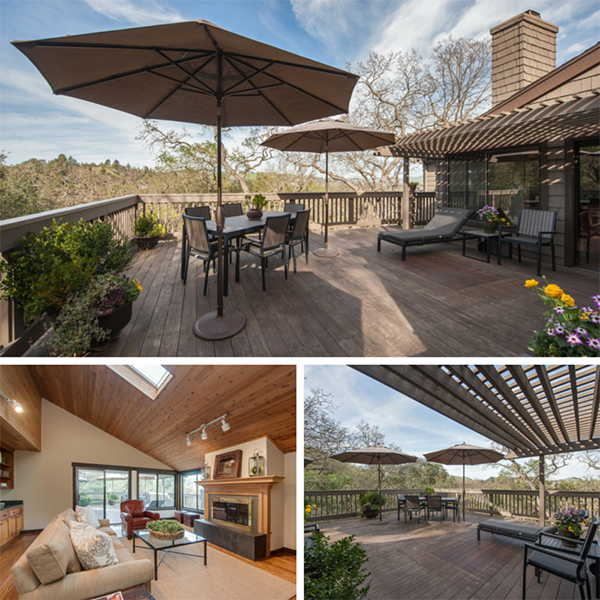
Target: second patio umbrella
329,135
193,72
463,454
375,455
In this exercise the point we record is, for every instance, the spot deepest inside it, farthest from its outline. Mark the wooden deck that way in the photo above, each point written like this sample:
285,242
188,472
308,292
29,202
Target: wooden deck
444,560
362,303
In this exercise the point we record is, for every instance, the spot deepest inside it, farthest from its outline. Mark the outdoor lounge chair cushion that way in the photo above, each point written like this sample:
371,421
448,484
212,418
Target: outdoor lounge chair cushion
444,225
512,529
552,564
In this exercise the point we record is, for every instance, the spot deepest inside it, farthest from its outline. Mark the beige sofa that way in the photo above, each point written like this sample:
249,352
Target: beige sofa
53,559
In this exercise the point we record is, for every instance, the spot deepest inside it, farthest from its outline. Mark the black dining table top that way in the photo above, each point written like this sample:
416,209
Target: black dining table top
241,224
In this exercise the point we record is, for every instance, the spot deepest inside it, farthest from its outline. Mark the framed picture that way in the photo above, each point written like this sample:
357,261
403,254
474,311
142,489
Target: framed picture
228,465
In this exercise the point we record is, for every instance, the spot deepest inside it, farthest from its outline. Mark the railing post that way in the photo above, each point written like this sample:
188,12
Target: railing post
406,195
542,466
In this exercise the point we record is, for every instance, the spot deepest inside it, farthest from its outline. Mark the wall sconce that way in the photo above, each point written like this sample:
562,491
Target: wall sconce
224,426
16,406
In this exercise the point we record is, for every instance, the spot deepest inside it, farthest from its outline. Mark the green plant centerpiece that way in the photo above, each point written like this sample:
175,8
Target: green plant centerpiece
147,230
369,503
165,530
570,330
570,524
257,203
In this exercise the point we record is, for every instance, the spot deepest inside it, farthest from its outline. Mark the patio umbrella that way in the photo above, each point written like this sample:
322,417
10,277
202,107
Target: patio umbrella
329,135
193,72
463,454
375,455
307,461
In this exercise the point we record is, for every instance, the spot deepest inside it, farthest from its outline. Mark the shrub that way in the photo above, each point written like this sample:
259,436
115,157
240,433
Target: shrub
429,490
372,499
148,226
84,500
334,571
165,526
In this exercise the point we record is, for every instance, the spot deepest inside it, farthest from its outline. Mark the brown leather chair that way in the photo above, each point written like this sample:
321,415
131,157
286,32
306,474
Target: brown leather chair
135,516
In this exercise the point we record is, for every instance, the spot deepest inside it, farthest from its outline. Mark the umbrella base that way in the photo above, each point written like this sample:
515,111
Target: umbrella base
212,327
381,522
326,253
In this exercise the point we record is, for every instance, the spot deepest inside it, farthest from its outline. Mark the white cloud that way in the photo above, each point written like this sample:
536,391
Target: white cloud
137,13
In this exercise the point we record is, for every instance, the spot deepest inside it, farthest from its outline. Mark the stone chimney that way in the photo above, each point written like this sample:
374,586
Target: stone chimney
523,50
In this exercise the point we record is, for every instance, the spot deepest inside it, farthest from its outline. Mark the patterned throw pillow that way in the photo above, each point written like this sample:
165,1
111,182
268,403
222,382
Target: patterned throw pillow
94,548
86,514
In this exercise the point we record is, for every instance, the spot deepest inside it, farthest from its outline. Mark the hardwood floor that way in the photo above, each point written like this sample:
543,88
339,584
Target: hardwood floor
444,560
9,554
362,303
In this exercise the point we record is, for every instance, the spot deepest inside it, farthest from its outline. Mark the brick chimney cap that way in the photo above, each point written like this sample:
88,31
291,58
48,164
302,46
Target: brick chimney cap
530,16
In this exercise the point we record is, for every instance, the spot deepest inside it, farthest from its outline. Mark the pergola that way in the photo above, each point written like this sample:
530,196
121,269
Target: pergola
533,410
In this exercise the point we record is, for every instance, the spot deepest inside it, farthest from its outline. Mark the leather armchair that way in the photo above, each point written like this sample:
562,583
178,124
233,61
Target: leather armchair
135,516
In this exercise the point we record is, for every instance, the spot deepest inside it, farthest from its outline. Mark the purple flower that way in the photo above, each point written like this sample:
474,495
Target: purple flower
595,318
559,330
596,300
559,310
551,332
581,331
594,343
573,339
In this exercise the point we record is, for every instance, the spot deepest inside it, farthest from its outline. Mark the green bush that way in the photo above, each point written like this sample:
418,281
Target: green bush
84,500
334,571
429,490
372,499
51,266
148,226
165,526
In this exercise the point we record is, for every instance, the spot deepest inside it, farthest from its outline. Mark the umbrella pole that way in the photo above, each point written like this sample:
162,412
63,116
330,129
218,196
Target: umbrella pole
219,324
381,521
325,252
464,495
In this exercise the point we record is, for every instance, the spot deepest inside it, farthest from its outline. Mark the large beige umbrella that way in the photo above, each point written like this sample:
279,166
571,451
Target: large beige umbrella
329,135
463,454
376,455
193,72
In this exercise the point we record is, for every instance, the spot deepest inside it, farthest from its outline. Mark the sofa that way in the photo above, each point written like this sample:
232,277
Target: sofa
54,560
135,516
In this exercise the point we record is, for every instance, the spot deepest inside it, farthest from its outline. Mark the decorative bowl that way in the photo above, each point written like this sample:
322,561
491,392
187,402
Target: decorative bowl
167,537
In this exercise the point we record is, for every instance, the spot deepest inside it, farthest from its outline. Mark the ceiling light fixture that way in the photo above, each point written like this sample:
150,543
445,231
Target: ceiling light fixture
224,426
16,406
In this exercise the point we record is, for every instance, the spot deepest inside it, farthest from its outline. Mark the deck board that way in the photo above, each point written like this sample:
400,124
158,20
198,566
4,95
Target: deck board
362,303
444,560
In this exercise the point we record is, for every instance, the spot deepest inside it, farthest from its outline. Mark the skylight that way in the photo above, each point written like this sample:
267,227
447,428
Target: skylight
155,374
147,378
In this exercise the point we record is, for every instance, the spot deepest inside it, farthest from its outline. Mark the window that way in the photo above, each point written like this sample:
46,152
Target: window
192,493
155,374
148,379
156,489
466,183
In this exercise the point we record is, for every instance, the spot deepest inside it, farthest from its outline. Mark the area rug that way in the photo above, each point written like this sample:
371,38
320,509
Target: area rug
224,577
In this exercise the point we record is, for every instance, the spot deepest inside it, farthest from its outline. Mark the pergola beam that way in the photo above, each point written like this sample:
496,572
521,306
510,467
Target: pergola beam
543,377
573,377
596,403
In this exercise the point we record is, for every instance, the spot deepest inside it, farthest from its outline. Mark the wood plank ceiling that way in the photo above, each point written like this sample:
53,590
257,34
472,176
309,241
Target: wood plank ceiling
532,410
260,400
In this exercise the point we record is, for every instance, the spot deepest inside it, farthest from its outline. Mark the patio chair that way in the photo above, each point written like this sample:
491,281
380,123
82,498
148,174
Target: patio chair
198,211
401,503
454,507
433,504
536,228
199,246
233,209
413,505
566,565
442,228
272,243
297,235
293,207
310,527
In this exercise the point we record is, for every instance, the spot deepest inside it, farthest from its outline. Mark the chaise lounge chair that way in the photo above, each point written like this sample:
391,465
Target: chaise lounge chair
521,531
442,228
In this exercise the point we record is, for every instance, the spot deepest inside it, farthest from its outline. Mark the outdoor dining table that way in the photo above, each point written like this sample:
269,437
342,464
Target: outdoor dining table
445,501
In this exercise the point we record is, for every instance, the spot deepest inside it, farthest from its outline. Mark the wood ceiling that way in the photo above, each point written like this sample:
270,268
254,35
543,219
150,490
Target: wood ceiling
531,409
260,400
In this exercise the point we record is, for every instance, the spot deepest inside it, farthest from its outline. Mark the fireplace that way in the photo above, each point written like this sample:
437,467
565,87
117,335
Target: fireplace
232,511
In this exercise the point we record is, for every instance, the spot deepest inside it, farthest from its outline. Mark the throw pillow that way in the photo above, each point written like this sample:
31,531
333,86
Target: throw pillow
86,514
94,548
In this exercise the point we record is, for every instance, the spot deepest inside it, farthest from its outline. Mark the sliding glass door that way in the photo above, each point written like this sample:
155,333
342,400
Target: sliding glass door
103,489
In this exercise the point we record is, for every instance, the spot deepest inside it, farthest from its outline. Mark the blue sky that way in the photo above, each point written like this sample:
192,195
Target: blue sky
34,123
405,422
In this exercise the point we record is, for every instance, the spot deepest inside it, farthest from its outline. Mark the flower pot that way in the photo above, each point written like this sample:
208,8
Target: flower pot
567,535
113,322
490,226
146,243
371,514
167,537
254,214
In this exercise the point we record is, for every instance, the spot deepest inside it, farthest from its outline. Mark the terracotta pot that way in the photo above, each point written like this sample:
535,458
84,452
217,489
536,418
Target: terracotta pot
113,322
146,243
254,214
490,226
565,533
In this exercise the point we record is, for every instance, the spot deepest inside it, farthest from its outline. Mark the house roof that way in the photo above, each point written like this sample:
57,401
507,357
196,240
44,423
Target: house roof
532,410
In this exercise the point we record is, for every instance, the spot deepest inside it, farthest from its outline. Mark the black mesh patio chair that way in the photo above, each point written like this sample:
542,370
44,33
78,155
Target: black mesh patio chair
272,243
293,207
571,566
297,235
413,505
433,504
199,246
454,507
401,503
198,211
536,228
310,527
233,209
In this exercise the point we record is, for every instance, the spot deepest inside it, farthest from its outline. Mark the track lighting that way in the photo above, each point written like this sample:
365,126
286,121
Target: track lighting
224,426
16,406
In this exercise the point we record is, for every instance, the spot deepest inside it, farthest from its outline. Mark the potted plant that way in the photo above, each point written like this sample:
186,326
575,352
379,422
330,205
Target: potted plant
413,186
257,202
369,502
147,231
112,498
491,218
166,530
570,524
308,511
569,330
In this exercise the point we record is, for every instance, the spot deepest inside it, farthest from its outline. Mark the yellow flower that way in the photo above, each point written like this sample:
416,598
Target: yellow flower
308,506
553,291
307,510
585,316
531,283
568,300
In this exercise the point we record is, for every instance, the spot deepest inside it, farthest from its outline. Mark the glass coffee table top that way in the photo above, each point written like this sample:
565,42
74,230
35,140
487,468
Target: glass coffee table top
188,538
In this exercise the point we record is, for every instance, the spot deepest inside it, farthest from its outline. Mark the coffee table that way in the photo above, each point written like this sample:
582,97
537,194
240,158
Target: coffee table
167,546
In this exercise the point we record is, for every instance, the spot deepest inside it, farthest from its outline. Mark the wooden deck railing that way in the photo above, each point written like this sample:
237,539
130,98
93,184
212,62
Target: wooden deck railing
342,504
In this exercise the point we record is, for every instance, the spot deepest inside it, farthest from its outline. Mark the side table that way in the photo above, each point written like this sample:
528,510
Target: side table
481,235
